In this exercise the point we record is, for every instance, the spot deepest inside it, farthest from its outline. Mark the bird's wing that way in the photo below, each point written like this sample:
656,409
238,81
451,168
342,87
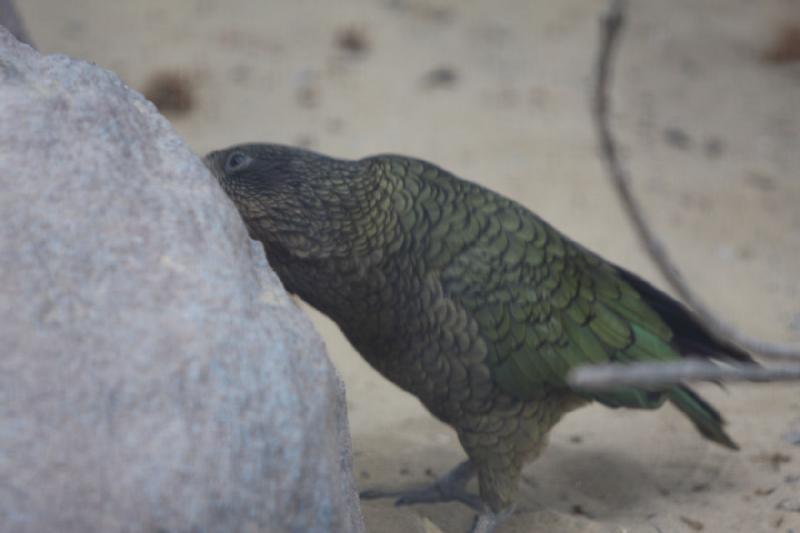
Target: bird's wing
544,305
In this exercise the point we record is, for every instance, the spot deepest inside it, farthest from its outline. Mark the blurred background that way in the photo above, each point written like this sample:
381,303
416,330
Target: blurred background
706,98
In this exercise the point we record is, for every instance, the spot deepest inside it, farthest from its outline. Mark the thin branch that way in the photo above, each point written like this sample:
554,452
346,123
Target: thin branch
656,376
611,27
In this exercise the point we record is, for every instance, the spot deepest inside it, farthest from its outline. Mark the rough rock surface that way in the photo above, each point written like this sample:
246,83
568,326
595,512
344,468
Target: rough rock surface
154,376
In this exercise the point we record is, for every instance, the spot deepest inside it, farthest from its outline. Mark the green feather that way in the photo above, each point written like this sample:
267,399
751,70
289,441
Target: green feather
705,418
631,398
648,347
586,346
610,328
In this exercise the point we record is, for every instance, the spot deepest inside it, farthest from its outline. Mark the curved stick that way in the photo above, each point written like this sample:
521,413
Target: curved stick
611,26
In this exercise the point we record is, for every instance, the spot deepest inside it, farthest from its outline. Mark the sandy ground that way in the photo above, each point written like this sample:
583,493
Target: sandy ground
497,91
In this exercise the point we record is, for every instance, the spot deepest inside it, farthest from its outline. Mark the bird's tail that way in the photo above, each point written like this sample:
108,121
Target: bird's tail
705,418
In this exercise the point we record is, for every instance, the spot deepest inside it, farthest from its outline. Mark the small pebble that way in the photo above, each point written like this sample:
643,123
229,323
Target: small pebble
785,47
170,91
713,147
352,40
696,525
579,510
677,138
440,77
789,504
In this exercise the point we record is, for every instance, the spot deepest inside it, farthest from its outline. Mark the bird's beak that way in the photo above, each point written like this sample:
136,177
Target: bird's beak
210,161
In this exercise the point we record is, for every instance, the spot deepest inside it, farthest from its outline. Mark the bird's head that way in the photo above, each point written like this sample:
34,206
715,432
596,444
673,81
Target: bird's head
296,198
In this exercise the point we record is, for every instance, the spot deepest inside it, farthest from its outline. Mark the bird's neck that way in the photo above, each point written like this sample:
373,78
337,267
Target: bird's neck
342,268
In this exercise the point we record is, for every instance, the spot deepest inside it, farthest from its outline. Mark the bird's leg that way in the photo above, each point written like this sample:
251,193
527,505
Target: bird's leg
449,487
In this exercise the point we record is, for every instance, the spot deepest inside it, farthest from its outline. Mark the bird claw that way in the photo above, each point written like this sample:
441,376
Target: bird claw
437,493
450,487
430,494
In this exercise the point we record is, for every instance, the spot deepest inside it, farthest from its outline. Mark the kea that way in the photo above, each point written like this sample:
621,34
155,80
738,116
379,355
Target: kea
465,299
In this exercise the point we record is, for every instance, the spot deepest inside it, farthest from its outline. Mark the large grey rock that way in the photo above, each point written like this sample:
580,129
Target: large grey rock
154,376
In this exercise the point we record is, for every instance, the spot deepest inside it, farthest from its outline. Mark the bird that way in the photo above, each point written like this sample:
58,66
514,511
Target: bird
465,299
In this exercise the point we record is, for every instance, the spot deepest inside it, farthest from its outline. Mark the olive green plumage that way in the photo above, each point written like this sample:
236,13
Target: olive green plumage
461,296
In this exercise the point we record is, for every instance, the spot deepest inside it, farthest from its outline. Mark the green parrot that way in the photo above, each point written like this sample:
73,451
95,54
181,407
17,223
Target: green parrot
465,299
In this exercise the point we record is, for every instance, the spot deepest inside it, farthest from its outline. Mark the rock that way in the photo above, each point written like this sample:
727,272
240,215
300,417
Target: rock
154,374
10,20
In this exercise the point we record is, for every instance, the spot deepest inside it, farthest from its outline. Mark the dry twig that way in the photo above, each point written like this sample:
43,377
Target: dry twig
651,374
656,375
611,28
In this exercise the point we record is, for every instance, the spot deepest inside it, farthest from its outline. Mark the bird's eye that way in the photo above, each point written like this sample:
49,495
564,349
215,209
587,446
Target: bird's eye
236,161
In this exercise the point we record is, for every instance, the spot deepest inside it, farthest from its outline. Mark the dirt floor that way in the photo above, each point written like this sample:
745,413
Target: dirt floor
707,104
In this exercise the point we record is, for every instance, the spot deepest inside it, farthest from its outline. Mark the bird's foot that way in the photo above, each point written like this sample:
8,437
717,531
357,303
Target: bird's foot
448,488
